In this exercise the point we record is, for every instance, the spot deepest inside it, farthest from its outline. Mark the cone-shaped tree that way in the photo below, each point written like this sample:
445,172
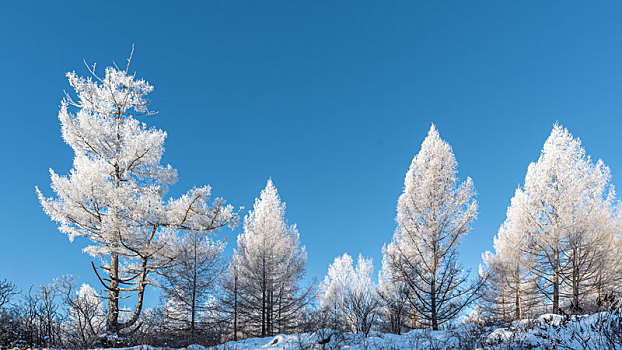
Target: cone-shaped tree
270,263
570,215
433,214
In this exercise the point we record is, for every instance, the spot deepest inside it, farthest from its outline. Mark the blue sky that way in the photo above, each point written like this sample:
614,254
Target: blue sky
330,99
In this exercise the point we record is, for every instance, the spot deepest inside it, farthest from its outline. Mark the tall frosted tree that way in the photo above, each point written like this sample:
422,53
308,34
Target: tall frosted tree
269,265
570,203
560,240
434,213
114,196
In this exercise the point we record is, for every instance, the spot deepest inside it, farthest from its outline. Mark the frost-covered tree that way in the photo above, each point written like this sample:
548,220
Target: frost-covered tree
190,282
570,206
230,299
348,294
510,289
86,314
560,234
361,302
606,284
396,299
270,263
114,195
333,289
433,214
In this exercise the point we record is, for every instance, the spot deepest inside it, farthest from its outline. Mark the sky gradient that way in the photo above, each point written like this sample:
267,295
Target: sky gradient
330,99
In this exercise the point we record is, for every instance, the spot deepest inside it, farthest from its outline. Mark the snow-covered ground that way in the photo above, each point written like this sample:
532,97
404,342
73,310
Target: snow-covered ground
320,340
598,331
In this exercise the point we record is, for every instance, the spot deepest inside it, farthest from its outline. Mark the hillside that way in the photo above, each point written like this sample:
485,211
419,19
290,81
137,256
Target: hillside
599,331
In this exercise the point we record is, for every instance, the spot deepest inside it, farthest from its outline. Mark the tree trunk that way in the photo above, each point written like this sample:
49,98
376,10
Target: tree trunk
142,283
112,322
556,283
263,301
519,304
194,288
575,281
505,318
433,306
434,316
235,304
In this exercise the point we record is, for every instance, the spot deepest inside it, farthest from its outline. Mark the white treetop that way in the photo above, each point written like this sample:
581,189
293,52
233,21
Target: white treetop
337,280
342,277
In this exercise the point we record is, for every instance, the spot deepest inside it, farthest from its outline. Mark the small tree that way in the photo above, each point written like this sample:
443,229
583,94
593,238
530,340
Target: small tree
269,264
361,301
86,313
333,291
49,318
7,321
510,291
396,299
190,282
230,299
348,295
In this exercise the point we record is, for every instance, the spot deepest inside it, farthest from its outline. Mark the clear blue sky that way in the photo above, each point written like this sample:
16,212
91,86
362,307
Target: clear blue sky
330,99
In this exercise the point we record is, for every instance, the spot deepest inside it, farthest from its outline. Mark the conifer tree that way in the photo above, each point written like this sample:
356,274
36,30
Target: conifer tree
190,282
270,264
560,240
570,202
433,214
510,290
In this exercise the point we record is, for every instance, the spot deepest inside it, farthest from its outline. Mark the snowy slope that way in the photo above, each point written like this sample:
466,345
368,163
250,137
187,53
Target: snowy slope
598,331
353,341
